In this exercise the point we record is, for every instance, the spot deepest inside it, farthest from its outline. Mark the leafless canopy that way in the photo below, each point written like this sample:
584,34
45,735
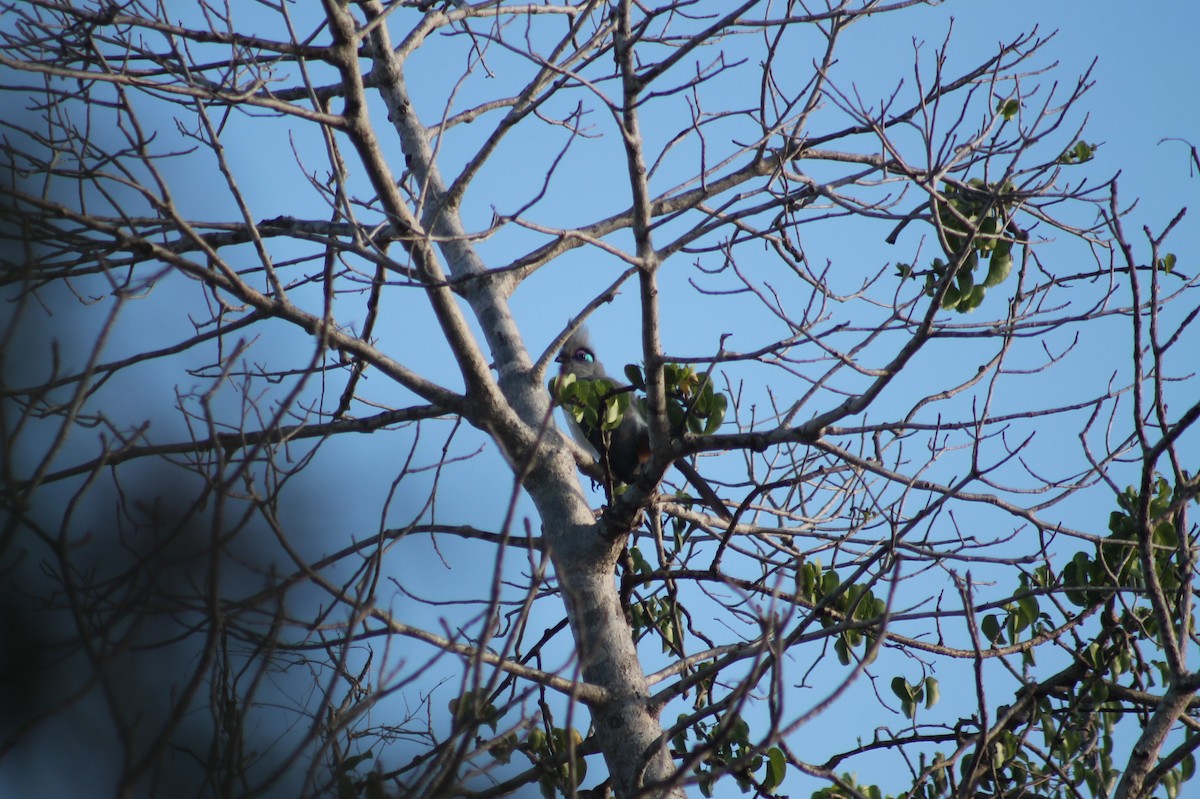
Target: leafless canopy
237,236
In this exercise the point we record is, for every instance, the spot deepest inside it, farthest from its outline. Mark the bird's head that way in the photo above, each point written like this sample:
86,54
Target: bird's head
577,357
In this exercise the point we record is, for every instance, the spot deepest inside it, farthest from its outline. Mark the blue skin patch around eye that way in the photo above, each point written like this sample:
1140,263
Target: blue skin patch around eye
584,355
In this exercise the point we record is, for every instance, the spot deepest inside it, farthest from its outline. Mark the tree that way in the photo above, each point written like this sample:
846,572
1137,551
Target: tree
288,226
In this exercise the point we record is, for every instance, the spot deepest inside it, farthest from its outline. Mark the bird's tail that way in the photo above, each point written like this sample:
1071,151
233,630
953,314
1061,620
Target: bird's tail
704,489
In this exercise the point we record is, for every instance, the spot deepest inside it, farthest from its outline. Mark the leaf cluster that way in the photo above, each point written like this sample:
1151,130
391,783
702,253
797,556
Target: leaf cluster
1118,565
568,774
852,603
557,751
692,402
728,751
594,404
598,404
1020,617
973,224
1078,153
660,614
911,695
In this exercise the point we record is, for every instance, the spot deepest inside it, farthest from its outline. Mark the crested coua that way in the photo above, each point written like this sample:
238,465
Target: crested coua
626,448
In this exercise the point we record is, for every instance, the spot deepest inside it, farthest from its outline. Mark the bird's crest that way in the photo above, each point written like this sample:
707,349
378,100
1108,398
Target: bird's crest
577,341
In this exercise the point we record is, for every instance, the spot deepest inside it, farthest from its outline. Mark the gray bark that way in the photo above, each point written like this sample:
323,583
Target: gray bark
512,409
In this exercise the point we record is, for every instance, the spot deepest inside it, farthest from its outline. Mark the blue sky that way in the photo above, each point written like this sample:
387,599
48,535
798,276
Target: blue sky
1145,91
1144,86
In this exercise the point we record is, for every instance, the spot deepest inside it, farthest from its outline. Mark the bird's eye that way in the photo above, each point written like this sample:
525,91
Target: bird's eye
583,355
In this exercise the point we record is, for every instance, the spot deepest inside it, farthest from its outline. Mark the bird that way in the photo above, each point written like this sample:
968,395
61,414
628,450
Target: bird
625,449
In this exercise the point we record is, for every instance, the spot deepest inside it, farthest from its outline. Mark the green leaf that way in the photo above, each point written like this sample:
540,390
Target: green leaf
1165,535
991,629
1078,153
1170,783
999,268
950,298
933,692
971,301
908,694
503,750
966,280
776,768
713,423
1077,575
1029,610
613,413
843,652
1008,108
562,383
740,731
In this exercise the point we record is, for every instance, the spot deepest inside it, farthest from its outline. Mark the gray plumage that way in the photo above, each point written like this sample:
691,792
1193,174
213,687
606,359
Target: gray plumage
626,448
